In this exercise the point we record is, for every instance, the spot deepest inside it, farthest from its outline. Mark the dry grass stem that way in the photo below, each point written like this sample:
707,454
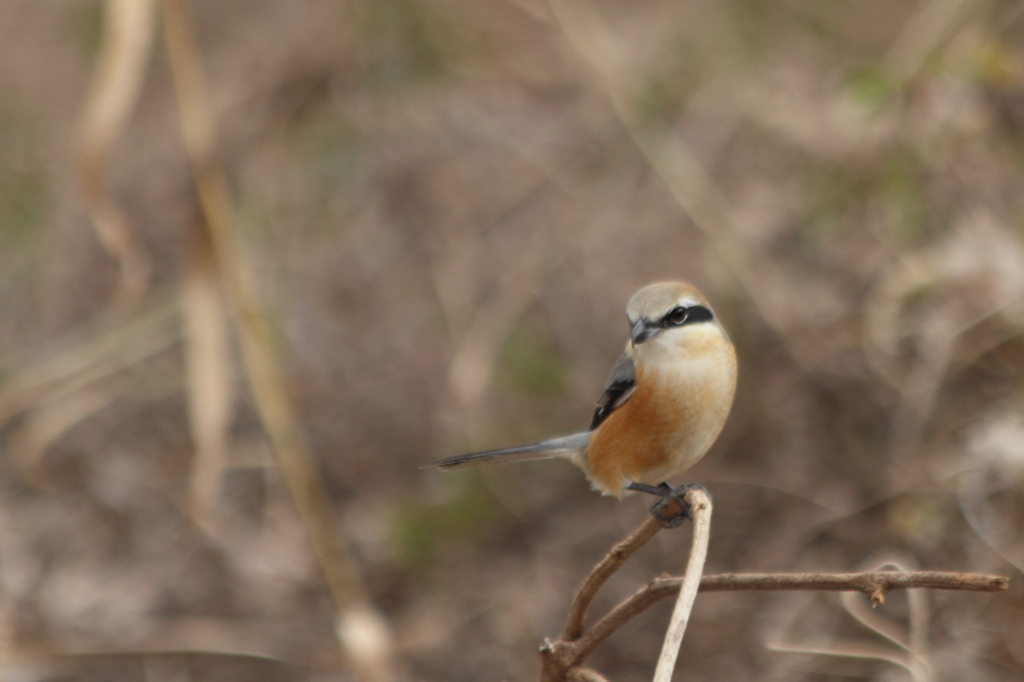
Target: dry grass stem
861,651
672,160
66,388
48,421
248,288
209,385
926,29
363,632
80,362
127,43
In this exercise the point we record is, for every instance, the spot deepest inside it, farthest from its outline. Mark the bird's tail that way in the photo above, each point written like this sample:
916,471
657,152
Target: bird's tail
568,447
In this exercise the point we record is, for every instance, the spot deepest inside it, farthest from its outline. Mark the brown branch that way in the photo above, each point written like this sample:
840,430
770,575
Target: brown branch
561,659
875,584
601,572
615,557
870,583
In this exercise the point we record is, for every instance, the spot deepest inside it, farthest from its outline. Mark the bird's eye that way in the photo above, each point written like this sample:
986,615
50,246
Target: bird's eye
678,315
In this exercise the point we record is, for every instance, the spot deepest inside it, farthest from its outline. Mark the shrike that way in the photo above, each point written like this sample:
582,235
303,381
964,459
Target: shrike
664,405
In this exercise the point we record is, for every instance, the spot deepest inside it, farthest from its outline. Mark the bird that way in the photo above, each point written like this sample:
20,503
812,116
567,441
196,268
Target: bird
664,404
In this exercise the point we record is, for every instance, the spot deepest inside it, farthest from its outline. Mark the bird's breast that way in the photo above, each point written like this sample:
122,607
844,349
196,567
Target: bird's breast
671,420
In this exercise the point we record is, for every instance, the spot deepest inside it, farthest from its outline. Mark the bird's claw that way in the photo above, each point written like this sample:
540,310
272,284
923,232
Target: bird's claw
672,510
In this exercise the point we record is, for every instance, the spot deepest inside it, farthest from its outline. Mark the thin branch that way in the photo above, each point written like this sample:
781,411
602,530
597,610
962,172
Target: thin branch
601,572
875,584
700,504
562,659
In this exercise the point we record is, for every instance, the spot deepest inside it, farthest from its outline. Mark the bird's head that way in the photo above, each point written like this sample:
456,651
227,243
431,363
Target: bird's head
672,316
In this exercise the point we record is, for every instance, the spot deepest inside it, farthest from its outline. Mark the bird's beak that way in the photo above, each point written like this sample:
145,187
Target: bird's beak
642,332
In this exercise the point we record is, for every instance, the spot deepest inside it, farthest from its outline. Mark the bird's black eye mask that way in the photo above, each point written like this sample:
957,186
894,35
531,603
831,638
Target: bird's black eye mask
682,314
644,329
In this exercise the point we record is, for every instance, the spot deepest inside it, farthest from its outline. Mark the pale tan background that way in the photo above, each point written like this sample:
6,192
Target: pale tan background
446,205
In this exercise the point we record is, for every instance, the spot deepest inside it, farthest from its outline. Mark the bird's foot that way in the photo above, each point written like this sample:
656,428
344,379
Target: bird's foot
661,490
672,510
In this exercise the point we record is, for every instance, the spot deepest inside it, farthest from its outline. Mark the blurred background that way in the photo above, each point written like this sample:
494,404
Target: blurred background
414,232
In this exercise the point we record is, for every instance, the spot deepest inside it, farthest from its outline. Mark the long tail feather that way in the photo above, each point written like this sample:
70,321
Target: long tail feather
568,447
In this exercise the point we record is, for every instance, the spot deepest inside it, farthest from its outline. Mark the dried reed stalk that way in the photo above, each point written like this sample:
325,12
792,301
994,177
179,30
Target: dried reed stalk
128,28
363,632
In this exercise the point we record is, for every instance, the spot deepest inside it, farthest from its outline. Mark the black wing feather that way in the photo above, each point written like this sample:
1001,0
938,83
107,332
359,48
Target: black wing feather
617,391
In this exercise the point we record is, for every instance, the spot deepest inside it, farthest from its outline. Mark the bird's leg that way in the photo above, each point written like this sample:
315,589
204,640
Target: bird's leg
661,490
663,510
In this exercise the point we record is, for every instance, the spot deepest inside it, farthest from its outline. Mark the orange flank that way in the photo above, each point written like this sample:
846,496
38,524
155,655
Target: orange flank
630,441
669,422
636,439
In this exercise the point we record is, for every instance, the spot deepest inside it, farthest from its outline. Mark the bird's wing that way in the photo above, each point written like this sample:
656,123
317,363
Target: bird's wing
617,391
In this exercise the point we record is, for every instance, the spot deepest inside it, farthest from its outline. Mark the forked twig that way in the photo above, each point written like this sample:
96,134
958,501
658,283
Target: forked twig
562,659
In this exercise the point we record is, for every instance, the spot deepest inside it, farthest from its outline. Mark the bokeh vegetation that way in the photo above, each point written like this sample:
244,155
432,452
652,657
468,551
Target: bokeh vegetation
444,207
